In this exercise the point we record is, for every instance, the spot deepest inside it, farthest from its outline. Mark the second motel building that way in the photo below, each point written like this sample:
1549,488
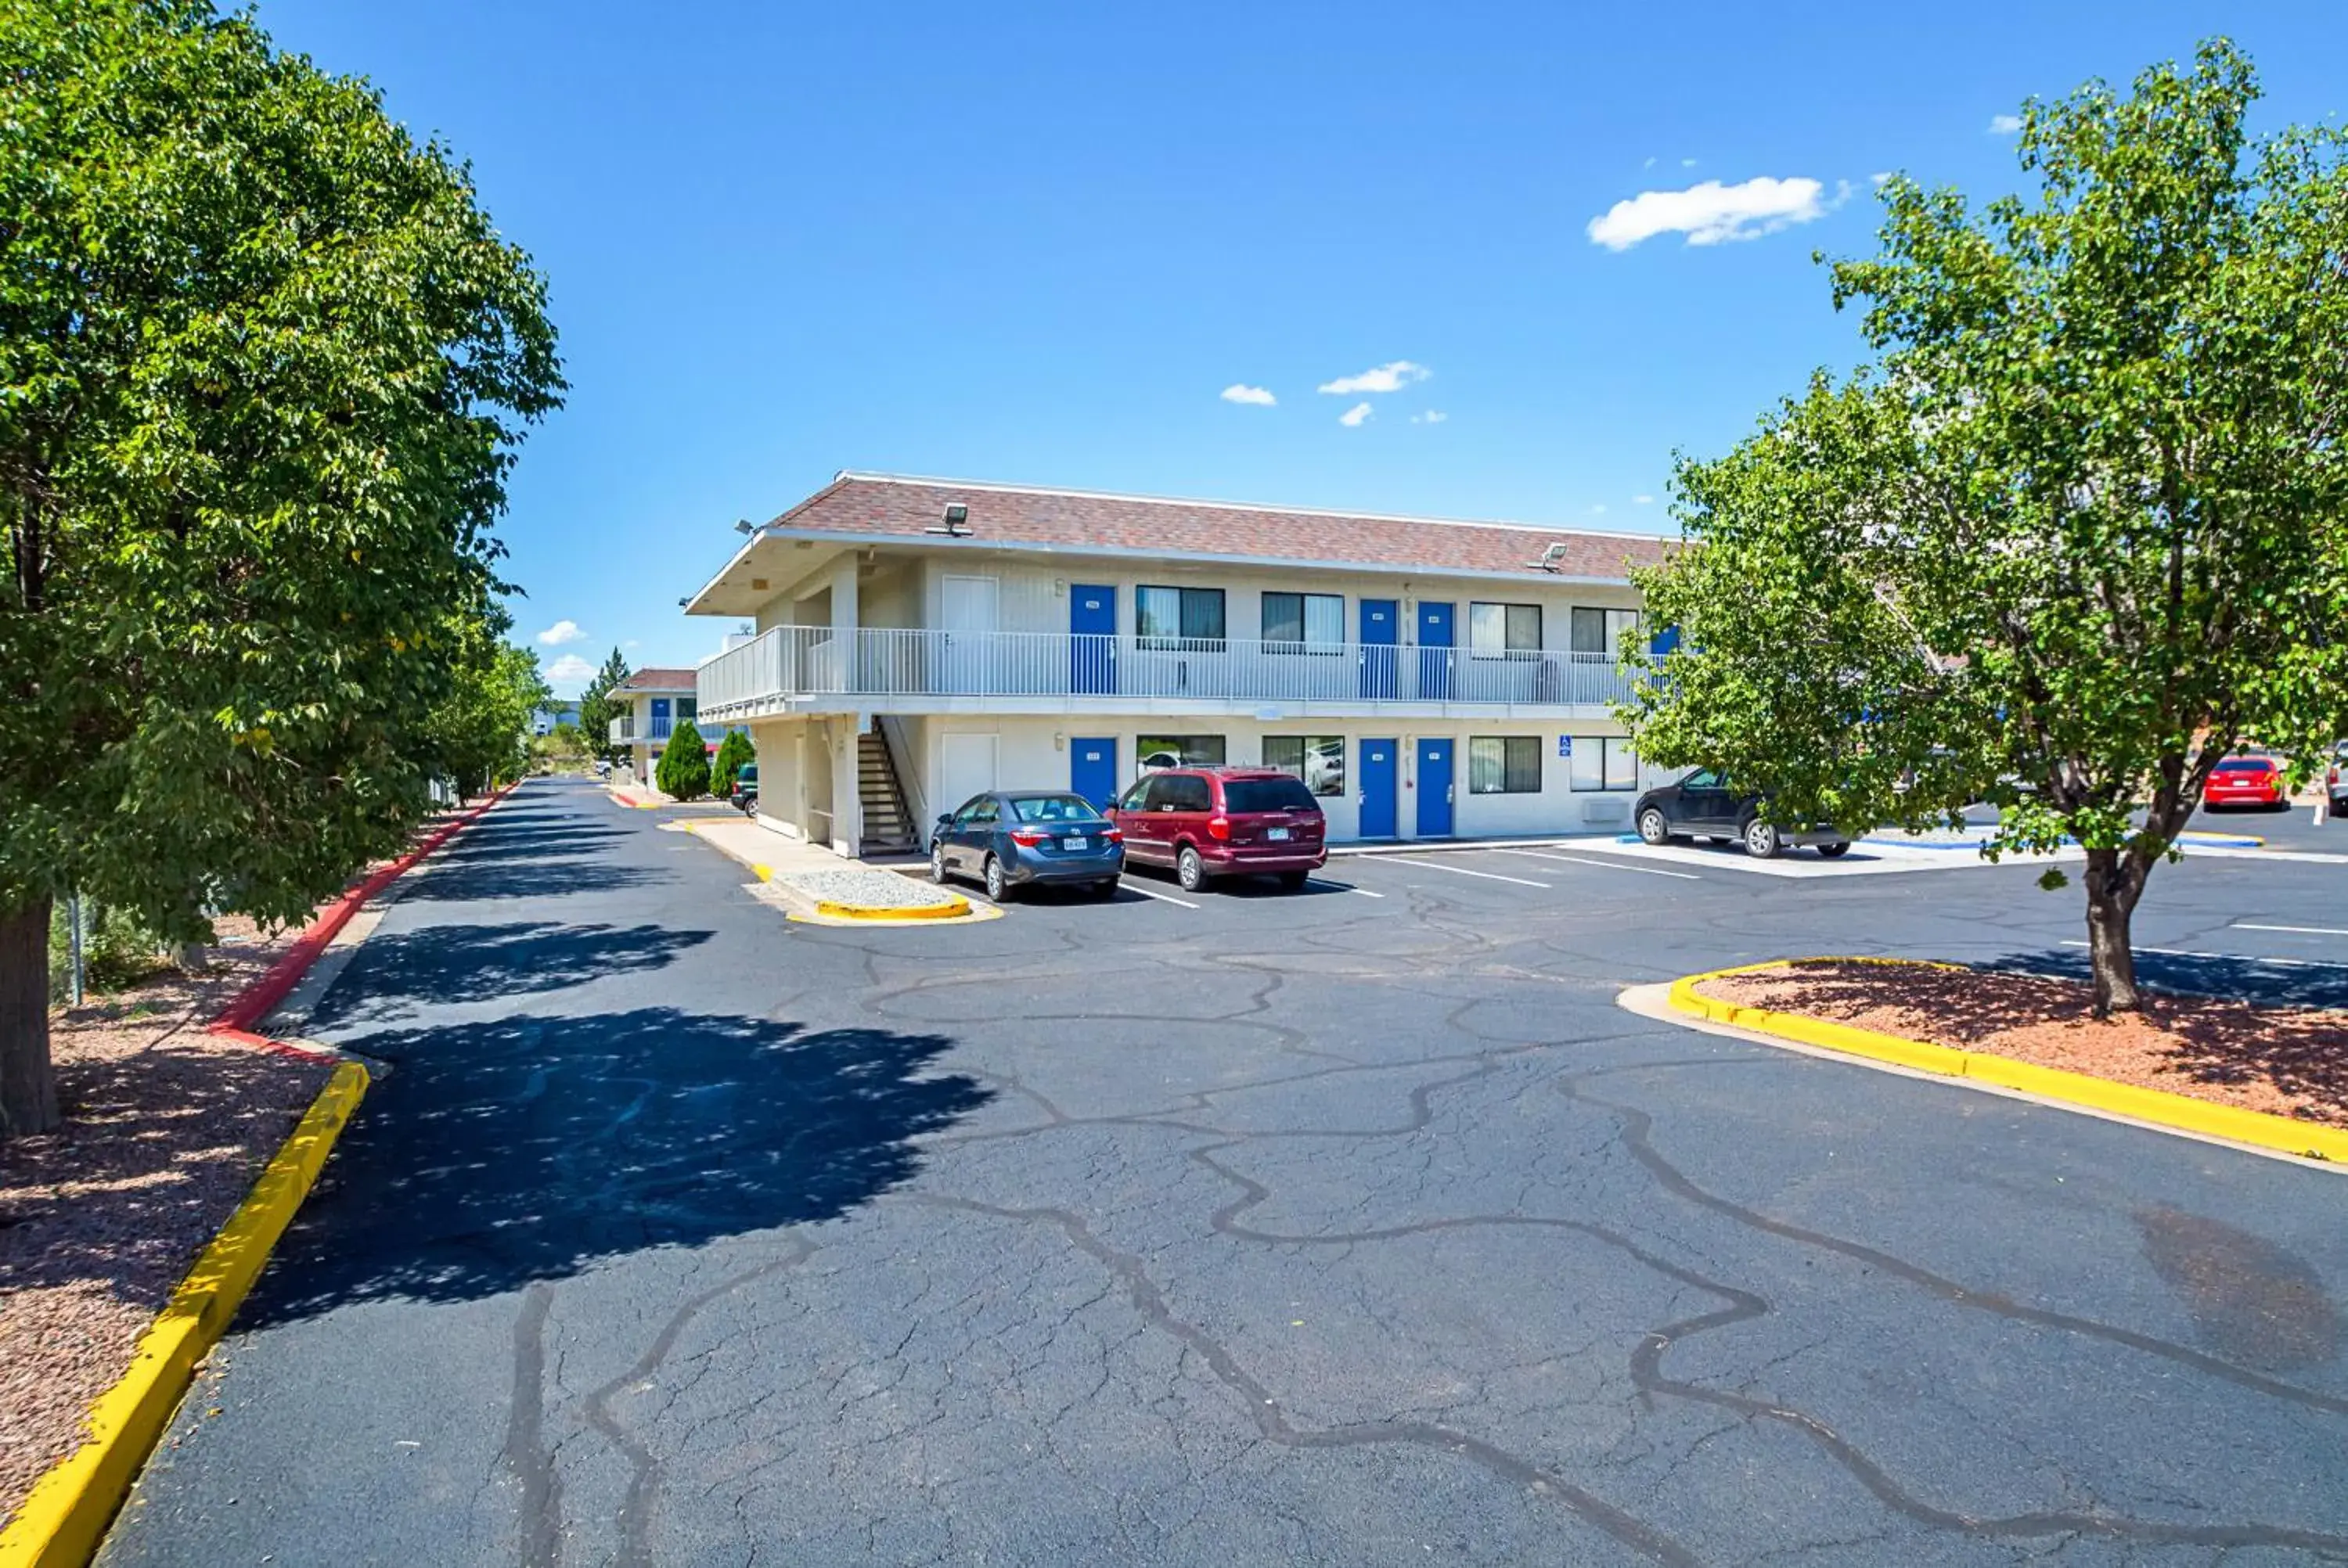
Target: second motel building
919,641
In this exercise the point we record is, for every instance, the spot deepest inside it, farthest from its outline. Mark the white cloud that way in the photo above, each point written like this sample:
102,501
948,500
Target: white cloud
1352,418
569,669
1711,212
1240,392
1391,377
560,632
2004,124
1687,163
1598,510
1649,164
632,642
1879,176
1643,500
1432,416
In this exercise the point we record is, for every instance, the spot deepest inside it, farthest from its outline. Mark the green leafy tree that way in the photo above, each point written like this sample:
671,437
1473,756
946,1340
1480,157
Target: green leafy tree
597,707
479,737
682,770
732,752
2079,536
263,366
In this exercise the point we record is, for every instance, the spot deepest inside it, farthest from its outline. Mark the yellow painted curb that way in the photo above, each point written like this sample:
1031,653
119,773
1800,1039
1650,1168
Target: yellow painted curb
2284,1134
953,911
66,1516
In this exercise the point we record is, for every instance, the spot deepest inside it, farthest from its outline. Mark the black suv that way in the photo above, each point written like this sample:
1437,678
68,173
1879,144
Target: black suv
1706,805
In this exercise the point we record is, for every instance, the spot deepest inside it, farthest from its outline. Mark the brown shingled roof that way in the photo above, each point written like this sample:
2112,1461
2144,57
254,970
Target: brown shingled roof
882,506
655,680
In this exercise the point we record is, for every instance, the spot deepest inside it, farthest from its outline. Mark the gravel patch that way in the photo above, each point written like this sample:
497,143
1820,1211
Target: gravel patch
871,889
2286,1061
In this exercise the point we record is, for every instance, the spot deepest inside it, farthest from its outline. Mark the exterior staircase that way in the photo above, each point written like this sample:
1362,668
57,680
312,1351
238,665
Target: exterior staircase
889,827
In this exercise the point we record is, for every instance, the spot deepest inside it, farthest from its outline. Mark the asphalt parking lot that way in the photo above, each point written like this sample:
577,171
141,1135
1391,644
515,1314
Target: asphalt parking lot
1354,1226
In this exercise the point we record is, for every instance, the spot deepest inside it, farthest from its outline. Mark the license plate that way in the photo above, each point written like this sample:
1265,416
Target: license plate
1277,834
1077,844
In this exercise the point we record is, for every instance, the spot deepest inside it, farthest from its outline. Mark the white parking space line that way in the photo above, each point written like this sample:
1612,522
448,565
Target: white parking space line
2228,957
1130,886
2295,930
1463,871
1603,865
1343,887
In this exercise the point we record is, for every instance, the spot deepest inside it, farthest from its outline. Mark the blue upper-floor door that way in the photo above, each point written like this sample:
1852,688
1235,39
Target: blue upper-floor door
1434,638
1381,631
1092,637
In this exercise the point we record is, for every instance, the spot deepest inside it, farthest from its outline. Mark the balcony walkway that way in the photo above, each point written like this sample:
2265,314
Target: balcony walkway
805,669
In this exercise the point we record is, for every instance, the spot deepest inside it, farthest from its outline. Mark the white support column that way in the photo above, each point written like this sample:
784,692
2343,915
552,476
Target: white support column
847,784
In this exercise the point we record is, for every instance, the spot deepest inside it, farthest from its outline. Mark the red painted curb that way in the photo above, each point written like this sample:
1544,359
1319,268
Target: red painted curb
256,1000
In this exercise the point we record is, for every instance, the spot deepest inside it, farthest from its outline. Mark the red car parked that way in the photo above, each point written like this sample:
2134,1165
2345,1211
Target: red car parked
1206,823
2247,781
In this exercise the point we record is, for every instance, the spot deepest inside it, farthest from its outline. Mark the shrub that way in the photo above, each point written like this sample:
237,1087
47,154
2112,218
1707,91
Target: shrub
117,951
732,752
683,768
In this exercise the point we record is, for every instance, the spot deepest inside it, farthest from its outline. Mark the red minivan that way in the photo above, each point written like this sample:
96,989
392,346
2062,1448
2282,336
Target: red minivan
1206,823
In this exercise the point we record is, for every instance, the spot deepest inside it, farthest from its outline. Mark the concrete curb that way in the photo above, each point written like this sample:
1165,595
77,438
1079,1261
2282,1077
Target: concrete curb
2281,1134
66,1516
69,1508
838,911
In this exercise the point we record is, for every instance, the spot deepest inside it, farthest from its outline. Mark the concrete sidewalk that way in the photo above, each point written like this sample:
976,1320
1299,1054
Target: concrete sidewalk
816,885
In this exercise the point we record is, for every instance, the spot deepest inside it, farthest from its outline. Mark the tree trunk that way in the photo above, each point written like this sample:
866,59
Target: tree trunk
29,1085
2113,888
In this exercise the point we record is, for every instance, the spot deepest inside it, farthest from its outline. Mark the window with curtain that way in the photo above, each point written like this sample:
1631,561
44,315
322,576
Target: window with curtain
1504,631
1318,760
1303,622
1185,620
1504,764
1598,633
1604,763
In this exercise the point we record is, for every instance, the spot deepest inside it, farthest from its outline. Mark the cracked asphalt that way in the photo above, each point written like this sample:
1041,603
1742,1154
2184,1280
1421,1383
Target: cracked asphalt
1324,1229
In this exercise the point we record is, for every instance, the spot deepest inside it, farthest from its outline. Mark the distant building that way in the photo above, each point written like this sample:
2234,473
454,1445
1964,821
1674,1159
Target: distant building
543,720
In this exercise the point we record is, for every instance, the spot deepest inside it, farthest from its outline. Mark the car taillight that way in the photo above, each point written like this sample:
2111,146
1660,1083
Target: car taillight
1112,836
1219,828
1027,837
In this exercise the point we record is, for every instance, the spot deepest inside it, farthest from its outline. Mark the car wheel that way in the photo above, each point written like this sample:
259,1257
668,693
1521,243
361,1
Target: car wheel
998,886
1293,881
1654,827
1190,870
1834,851
937,863
1762,840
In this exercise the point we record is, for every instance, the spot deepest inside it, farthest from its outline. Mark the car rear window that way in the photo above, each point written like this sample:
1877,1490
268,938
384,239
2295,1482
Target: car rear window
1053,808
1268,794
2244,765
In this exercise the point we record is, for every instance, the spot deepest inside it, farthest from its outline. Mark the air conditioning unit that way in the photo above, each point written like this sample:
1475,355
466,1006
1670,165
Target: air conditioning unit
1606,808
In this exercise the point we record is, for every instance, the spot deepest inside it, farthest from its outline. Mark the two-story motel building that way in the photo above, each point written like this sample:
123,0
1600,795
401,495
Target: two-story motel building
919,641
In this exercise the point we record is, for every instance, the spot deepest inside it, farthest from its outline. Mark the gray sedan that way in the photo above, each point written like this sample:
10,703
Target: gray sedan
1020,839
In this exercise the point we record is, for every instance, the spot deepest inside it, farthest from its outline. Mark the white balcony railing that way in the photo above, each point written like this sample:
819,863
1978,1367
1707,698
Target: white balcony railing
622,730
881,662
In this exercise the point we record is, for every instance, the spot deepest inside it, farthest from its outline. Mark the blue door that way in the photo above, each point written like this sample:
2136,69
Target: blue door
660,718
1435,789
1378,788
1092,639
1434,655
1381,629
1092,770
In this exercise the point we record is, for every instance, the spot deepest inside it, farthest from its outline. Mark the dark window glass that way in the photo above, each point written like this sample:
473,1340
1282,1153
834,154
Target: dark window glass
1189,620
1267,795
1183,791
986,813
1303,622
1053,808
1191,751
1504,764
1318,760
1499,630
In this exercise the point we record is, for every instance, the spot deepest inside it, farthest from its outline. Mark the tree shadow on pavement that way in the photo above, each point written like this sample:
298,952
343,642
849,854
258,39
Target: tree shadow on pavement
541,877
458,964
2181,974
529,1148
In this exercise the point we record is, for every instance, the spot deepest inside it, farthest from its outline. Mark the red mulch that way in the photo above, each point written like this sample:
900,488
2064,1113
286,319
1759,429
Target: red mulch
2286,1061
166,1127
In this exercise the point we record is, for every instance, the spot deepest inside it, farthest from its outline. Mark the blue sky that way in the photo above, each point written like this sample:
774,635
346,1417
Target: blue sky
1036,242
